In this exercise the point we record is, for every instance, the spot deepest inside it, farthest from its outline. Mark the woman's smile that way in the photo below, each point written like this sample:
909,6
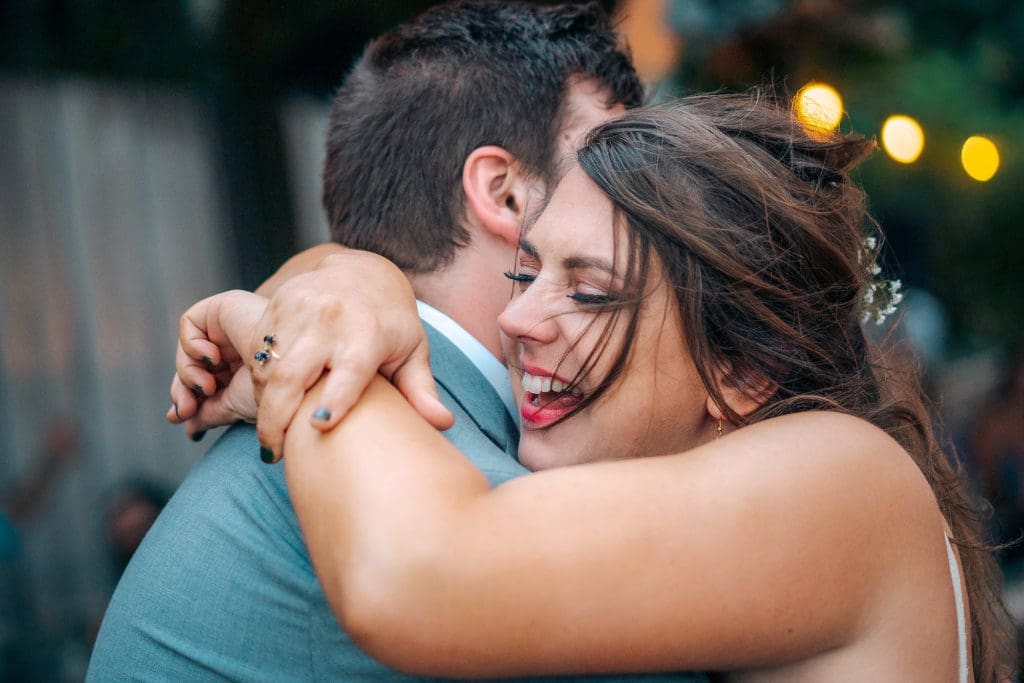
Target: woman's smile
546,399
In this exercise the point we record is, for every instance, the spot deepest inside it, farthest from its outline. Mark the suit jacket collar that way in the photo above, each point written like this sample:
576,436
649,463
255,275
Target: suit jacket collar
471,390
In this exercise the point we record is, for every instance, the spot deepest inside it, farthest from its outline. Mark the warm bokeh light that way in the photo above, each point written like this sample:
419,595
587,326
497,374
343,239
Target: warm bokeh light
819,107
902,138
980,158
654,44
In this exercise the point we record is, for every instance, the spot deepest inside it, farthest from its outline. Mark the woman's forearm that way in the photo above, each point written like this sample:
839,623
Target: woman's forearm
303,262
383,473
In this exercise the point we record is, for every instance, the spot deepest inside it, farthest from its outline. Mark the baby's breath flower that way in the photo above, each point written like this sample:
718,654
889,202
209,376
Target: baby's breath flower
880,296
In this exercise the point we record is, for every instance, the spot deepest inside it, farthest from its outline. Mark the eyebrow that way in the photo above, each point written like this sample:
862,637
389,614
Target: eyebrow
572,262
527,246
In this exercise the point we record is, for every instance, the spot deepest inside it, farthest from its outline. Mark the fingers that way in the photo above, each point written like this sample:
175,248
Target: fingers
199,362
196,375
349,376
416,382
184,403
215,412
194,333
199,349
219,326
286,380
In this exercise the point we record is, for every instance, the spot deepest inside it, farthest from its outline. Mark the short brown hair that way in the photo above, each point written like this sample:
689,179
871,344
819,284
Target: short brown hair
424,95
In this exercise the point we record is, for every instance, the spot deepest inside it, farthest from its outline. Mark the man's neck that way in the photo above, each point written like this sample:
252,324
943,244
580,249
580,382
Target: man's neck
471,295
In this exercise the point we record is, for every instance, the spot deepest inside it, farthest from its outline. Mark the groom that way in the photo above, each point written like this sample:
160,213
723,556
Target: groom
440,137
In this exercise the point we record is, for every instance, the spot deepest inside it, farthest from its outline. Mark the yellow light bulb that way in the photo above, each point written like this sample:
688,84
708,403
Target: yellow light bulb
902,138
980,158
818,107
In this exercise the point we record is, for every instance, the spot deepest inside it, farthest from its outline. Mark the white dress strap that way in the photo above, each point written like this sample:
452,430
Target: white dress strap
961,619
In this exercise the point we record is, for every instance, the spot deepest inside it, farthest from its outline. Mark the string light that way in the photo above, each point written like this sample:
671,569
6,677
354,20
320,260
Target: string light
902,138
819,107
980,158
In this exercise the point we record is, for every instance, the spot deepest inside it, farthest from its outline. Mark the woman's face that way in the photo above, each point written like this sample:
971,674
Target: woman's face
658,404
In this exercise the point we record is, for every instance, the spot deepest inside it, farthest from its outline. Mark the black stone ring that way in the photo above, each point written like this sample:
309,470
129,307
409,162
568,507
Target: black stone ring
267,352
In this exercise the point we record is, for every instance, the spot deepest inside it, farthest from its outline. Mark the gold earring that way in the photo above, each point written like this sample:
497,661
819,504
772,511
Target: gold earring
718,429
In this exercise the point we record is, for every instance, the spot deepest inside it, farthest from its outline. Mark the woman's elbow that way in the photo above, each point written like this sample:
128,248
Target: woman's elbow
389,610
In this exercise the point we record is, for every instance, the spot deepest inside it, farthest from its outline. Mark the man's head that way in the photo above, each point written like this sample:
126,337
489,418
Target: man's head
462,76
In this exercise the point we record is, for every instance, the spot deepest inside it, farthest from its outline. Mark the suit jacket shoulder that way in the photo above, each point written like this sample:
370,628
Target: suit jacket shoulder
483,428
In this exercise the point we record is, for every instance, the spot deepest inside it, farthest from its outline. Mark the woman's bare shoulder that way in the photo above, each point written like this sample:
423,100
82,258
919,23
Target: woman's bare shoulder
819,437
824,459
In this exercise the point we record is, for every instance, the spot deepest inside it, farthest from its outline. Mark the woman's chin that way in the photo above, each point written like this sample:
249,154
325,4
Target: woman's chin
530,459
536,457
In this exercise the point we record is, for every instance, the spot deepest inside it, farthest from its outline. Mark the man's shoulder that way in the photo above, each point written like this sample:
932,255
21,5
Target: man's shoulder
484,431
231,489
221,579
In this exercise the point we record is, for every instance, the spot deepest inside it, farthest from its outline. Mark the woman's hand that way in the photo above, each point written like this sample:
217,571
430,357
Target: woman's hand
228,378
212,386
353,316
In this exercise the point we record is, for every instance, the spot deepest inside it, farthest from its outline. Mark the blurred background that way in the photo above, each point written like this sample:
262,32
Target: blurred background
155,152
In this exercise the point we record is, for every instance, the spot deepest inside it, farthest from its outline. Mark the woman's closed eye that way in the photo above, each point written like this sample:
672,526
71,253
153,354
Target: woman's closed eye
590,299
586,295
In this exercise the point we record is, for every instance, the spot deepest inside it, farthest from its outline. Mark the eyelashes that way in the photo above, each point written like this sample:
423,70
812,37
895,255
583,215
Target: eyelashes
519,277
579,297
590,299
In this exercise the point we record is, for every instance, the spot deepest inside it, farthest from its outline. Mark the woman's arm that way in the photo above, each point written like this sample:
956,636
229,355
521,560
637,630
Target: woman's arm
304,262
767,546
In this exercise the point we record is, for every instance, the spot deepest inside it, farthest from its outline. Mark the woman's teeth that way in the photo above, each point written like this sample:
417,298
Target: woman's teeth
539,385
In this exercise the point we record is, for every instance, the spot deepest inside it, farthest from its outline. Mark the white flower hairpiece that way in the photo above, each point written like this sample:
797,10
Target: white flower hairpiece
881,297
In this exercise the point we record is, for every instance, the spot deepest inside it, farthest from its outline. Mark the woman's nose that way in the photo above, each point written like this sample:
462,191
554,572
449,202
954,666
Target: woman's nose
527,317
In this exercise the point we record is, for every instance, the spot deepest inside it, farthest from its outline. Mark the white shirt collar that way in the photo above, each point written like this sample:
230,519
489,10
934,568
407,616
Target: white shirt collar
490,367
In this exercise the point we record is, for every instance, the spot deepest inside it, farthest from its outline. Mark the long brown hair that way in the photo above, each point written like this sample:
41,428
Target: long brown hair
761,234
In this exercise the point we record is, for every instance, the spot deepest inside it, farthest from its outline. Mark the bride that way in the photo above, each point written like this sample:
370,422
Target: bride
752,491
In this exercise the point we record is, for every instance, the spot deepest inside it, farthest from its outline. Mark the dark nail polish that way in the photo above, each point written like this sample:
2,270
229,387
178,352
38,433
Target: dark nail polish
266,455
322,414
176,413
198,436
208,361
198,389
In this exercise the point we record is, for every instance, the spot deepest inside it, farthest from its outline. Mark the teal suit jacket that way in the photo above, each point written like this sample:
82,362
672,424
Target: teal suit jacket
222,587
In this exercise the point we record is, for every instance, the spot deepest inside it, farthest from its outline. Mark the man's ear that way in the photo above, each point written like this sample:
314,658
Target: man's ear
742,397
496,192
